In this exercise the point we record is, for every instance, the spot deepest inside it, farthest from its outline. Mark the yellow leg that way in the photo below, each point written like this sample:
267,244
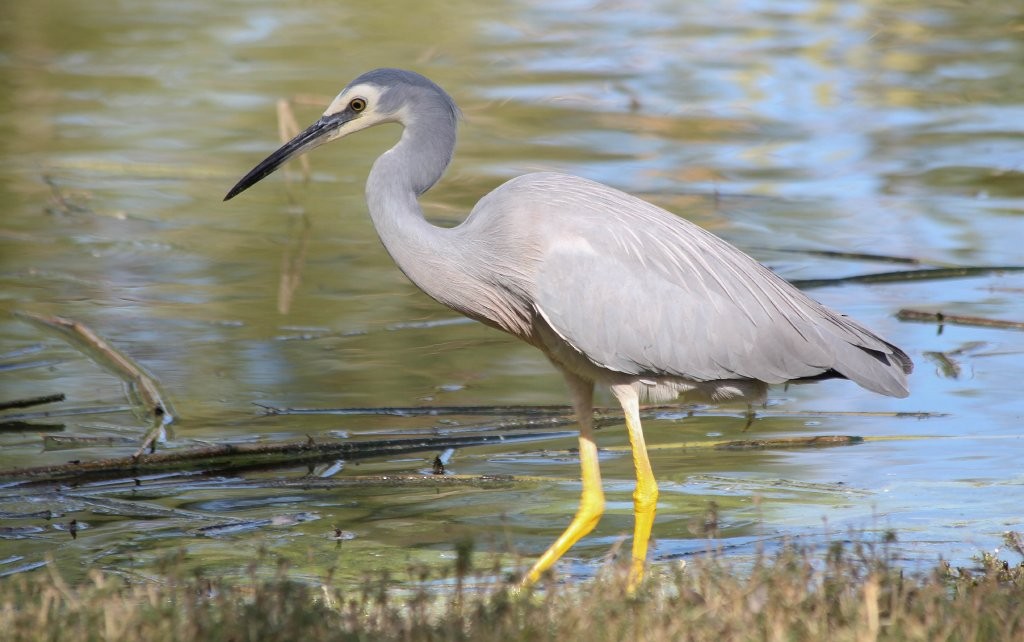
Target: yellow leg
645,497
592,499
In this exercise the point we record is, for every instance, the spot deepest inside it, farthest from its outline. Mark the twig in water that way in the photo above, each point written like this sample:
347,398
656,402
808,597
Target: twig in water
31,401
947,365
288,128
65,412
20,352
957,319
157,432
236,457
662,412
851,256
420,411
293,262
646,412
819,441
26,365
64,205
526,424
814,441
72,442
928,274
947,362
145,387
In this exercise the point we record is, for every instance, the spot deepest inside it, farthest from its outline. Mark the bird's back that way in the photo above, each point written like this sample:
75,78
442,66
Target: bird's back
640,291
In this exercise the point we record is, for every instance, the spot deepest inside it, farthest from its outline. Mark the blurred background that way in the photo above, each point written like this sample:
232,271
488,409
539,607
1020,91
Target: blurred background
804,132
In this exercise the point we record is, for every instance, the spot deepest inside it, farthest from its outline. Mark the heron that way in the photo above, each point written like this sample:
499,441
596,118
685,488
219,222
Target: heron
615,291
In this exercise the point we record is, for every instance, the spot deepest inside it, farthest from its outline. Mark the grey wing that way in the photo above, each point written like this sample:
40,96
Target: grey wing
651,294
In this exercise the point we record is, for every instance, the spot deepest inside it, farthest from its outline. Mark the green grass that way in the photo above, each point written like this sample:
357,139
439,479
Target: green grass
851,592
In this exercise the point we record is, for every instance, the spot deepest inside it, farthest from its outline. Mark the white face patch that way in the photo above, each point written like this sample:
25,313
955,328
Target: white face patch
367,118
369,93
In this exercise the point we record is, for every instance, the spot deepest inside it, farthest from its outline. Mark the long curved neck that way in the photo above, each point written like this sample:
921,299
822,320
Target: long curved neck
397,178
450,265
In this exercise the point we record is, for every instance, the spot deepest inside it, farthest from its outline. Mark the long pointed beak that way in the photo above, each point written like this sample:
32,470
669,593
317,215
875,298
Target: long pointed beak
315,135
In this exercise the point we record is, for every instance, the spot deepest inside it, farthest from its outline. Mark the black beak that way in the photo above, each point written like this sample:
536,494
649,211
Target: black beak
315,135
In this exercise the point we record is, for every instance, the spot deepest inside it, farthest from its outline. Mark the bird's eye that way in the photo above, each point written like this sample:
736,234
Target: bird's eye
357,105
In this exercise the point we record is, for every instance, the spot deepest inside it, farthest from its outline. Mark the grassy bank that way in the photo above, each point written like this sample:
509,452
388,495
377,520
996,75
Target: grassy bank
851,592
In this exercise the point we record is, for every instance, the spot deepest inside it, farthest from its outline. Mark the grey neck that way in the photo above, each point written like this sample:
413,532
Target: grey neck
397,178
452,265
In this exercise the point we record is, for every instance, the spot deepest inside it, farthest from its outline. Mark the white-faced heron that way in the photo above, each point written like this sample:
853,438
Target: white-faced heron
614,290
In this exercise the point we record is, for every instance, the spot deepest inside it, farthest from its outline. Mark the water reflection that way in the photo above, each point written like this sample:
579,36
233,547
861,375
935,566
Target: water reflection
855,126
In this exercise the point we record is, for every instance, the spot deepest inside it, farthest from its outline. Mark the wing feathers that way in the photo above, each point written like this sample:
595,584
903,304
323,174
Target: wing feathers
640,291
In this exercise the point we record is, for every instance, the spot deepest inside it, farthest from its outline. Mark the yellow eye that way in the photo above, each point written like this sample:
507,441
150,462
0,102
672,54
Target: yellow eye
357,105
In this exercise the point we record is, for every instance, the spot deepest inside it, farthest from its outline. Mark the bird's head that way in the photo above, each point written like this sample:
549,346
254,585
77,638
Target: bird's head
376,97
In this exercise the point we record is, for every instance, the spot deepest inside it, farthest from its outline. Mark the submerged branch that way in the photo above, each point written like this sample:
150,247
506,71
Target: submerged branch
155,433
63,204
813,441
421,411
21,352
820,441
928,274
293,263
646,412
850,256
513,425
235,457
65,412
112,359
288,128
957,319
324,483
32,401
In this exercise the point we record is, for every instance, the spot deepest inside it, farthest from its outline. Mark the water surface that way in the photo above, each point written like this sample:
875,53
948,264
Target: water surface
892,129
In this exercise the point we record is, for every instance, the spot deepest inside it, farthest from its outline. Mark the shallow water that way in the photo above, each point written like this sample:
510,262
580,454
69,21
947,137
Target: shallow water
839,126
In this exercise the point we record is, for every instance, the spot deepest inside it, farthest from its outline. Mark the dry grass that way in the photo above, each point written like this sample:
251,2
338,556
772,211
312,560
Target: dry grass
852,592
